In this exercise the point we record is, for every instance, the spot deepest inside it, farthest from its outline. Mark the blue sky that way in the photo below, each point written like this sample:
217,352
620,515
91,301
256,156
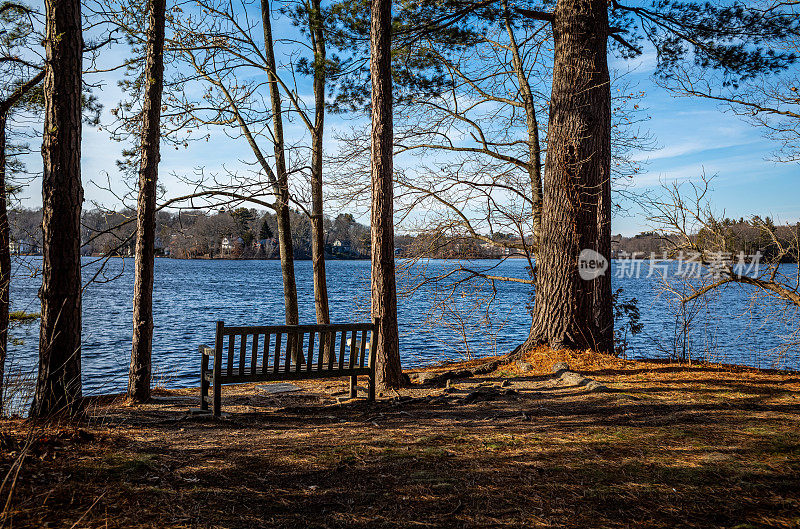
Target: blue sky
691,137
696,136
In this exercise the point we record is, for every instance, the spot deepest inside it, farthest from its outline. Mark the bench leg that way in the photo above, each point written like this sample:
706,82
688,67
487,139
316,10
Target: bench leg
353,381
203,393
203,384
217,398
371,396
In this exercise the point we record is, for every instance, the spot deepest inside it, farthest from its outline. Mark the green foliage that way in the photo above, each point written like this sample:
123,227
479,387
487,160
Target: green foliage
416,70
243,217
627,321
737,40
20,317
21,61
20,43
265,232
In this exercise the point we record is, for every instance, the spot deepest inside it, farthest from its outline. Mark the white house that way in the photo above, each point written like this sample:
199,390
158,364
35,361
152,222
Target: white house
231,243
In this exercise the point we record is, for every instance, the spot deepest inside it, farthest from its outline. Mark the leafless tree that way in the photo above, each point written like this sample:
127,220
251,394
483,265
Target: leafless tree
217,42
710,250
771,102
470,157
685,216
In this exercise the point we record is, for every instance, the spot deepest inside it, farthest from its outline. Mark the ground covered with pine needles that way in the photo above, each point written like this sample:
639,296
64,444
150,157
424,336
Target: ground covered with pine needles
663,445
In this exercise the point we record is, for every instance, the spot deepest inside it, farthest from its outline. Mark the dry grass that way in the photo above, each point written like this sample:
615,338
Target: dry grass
668,446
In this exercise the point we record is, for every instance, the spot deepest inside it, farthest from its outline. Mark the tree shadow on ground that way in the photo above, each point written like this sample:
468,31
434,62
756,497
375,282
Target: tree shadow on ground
556,456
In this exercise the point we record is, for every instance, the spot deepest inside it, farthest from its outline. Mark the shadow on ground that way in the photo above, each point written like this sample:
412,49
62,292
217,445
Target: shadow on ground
688,450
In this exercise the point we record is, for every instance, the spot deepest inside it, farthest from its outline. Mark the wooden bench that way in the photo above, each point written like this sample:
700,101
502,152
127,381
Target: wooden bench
286,352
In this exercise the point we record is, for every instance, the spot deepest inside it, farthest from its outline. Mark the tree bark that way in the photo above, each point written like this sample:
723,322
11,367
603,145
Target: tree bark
58,387
285,246
317,218
384,290
569,310
5,260
139,374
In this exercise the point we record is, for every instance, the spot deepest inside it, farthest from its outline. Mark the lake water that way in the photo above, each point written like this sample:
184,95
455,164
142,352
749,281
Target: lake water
190,295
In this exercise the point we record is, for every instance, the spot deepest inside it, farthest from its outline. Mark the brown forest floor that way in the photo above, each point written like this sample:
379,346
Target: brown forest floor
666,446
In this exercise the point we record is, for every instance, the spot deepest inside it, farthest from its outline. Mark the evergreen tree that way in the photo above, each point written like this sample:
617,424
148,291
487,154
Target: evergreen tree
734,41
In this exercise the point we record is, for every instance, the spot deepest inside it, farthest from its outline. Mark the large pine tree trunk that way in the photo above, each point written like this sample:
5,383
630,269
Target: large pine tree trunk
384,290
5,259
285,246
317,218
58,387
140,370
569,309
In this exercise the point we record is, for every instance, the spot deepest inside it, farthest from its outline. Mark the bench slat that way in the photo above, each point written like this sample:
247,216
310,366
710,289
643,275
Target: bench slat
352,344
297,328
276,365
264,356
317,359
331,348
242,352
342,344
323,339
254,353
363,348
289,345
298,351
231,350
310,356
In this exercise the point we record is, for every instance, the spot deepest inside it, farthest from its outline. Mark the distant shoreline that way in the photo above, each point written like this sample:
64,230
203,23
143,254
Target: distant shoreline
367,258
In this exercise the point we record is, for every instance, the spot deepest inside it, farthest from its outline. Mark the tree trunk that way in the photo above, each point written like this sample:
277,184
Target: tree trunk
140,371
568,308
317,219
58,388
284,227
384,292
5,260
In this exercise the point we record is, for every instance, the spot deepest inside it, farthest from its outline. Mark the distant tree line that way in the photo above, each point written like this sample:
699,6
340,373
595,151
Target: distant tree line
748,236
250,233
247,233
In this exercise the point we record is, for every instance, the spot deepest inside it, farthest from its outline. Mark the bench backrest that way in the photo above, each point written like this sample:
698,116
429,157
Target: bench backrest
296,348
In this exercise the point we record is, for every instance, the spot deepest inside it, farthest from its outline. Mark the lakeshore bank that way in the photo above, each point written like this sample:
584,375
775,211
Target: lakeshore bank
660,445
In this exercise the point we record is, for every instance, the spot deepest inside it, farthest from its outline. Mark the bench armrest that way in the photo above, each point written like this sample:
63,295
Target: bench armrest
207,351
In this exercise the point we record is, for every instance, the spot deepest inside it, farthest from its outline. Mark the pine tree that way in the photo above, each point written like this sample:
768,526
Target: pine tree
58,387
139,374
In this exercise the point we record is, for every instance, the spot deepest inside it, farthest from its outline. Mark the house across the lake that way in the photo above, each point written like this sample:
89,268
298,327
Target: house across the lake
26,246
341,245
230,244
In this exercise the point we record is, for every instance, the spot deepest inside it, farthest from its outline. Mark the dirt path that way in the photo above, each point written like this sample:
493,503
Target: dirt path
663,446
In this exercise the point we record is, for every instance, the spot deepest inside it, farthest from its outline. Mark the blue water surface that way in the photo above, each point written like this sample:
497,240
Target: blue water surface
191,295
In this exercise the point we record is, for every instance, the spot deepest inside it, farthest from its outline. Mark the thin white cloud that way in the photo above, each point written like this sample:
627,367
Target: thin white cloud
689,147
